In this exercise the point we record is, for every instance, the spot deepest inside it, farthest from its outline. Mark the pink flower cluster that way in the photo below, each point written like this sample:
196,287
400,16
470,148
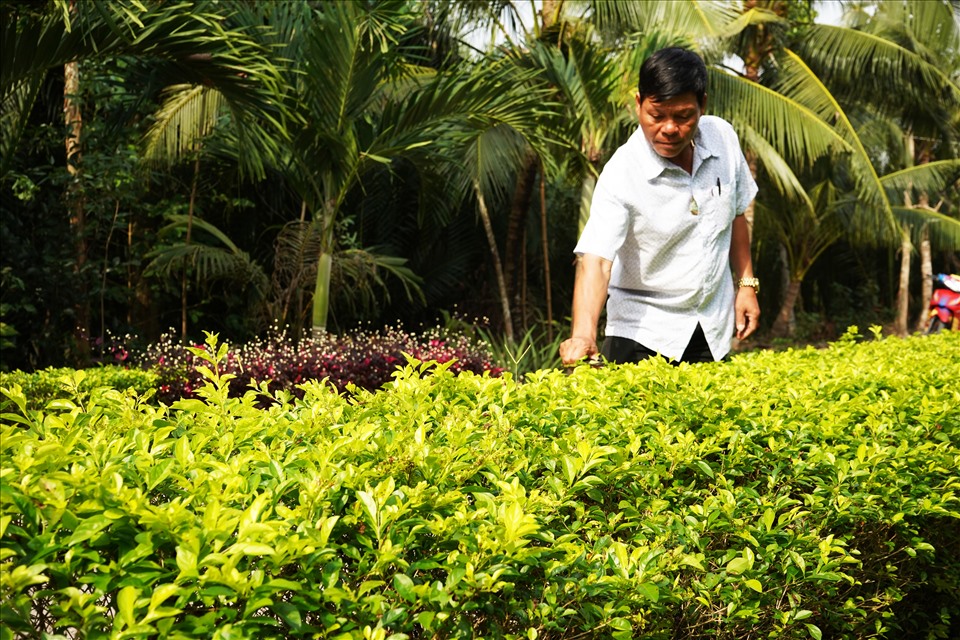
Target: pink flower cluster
364,358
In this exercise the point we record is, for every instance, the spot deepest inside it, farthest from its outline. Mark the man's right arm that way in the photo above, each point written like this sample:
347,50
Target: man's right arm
589,296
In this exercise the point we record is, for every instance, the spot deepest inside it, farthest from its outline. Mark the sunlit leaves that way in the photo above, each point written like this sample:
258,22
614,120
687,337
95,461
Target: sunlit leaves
638,498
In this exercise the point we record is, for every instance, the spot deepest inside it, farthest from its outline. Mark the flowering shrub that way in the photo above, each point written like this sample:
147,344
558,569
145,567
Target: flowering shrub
365,360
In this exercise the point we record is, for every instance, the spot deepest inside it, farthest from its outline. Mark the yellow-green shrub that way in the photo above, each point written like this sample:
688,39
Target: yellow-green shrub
790,495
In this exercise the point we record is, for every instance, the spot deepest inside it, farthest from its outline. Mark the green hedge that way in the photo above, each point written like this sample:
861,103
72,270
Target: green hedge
40,387
800,494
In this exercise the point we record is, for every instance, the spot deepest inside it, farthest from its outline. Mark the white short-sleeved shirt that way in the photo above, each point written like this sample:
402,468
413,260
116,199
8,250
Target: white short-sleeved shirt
668,234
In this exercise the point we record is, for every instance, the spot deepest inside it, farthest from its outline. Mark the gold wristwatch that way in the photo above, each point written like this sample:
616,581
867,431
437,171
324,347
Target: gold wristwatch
749,282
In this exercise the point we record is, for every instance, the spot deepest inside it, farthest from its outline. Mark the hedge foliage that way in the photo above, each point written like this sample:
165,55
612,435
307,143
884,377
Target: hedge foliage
40,387
799,494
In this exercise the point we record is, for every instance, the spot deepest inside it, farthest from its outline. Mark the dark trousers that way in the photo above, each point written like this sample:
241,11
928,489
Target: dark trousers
623,350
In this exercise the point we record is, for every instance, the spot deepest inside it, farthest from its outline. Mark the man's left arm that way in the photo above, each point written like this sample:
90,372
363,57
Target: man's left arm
746,307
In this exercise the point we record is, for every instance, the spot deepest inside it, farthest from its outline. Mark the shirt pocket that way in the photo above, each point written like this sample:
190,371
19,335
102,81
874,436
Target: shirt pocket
718,209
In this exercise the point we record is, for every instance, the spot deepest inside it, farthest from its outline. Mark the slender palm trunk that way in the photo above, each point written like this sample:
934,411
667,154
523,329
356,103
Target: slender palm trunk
926,275
782,326
924,155
516,223
586,197
321,295
546,253
103,277
497,265
903,294
78,217
183,276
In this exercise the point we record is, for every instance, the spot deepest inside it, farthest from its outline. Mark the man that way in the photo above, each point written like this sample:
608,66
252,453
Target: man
666,226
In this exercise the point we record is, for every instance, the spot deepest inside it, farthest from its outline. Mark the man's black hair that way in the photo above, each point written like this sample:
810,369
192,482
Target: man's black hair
671,72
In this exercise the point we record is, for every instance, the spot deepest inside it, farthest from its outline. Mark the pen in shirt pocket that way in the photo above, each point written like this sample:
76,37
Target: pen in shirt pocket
718,187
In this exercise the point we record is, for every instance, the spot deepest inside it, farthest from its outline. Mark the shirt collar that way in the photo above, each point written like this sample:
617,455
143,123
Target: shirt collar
652,165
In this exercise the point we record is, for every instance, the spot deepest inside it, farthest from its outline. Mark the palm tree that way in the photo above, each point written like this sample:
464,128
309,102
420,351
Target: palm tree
896,68
186,40
370,107
181,40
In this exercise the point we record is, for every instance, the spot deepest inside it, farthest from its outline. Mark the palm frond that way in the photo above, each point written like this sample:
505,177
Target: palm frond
932,28
494,156
808,230
15,106
696,20
796,131
185,40
366,274
777,169
751,17
944,230
188,114
867,64
206,263
798,82
931,177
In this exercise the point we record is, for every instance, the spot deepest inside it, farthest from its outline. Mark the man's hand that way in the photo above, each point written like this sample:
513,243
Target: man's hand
574,349
748,312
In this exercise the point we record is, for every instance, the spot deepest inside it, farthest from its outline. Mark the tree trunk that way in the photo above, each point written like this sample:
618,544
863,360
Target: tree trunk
785,287
550,12
497,265
546,253
321,295
782,326
926,276
74,197
519,205
903,294
922,156
183,276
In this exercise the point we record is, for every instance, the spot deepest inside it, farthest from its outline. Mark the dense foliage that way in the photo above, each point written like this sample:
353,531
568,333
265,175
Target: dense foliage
231,164
800,494
363,359
52,383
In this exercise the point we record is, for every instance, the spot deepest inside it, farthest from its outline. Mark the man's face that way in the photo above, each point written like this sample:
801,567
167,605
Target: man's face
669,126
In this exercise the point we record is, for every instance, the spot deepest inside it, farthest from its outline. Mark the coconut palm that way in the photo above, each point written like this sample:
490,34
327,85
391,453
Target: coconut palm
184,40
369,107
897,69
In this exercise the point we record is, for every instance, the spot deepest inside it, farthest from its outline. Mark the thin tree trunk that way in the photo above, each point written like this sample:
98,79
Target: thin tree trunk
903,294
321,295
782,326
524,320
320,310
926,275
519,206
103,279
546,253
495,254
75,202
785,286
550,12
924,155
183,275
